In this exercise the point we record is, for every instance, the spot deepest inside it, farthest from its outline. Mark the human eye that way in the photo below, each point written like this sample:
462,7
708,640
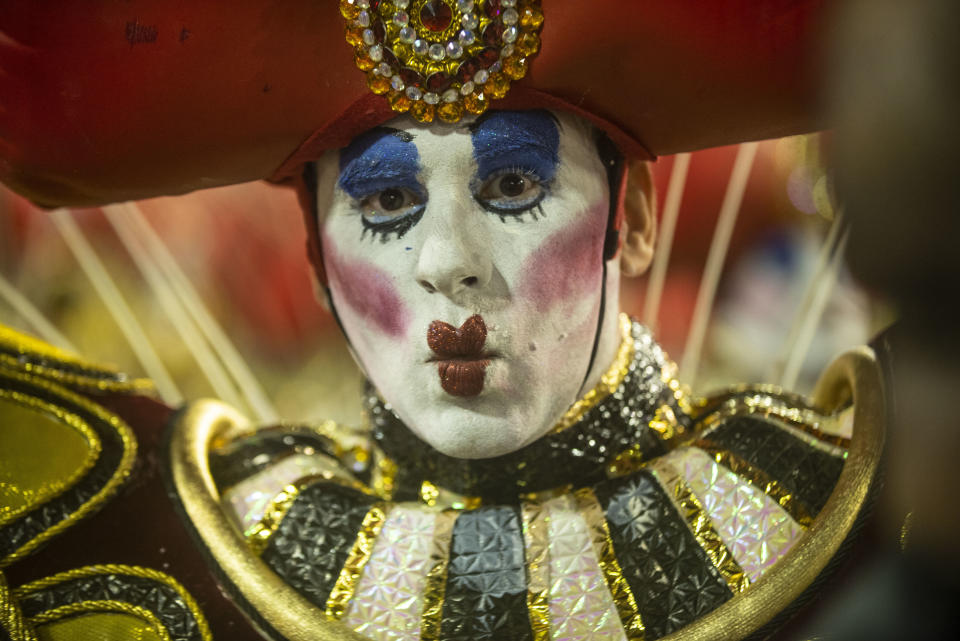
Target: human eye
391,211
512,192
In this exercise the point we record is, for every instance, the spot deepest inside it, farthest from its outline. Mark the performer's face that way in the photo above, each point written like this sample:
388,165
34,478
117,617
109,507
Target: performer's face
465,263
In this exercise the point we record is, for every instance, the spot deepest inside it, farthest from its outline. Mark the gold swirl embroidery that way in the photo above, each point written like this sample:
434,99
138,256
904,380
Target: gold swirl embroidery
15,346
609,381
120,473
346,585
436,584
759,479
536,540
121,606
689,507
623,598
104,606
55,488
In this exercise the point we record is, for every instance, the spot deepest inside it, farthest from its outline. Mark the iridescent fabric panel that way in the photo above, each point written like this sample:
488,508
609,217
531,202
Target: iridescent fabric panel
756,530
581,607
389,597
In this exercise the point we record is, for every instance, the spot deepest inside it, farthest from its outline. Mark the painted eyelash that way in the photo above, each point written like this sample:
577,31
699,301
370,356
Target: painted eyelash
535,207
399,226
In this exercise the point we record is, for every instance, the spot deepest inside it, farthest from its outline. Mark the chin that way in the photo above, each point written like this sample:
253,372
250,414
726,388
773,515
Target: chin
465,433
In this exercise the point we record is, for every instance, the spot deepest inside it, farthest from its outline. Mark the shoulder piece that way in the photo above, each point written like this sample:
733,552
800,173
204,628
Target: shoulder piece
62,458
722,536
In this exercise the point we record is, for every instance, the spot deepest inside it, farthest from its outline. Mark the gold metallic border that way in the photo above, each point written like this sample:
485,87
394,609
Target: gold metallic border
609,381
11,618
285,609
29,346
589,509
759,479
537,542
346,585
83,607
854,374
72,420
258,535
767,403
436,585
119,475
102,607
689,507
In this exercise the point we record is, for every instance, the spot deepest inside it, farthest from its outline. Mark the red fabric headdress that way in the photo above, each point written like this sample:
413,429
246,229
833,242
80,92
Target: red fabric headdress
103,101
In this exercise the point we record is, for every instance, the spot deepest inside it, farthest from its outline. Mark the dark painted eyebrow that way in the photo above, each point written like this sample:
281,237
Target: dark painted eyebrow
404,136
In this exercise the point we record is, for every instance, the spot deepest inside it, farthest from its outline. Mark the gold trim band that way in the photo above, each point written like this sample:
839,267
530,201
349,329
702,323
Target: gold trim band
537,542
623,598
346,585
689,507
436,584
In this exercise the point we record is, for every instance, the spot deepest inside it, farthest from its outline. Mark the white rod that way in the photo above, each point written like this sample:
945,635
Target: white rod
812,316
249,386
729,211
209,365
34,316
117,306
819,270
661,258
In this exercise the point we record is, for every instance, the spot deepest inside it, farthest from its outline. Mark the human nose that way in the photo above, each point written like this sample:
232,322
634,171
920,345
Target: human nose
455,256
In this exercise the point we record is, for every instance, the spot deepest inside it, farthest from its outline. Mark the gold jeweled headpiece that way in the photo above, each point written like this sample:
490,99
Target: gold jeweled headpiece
439,58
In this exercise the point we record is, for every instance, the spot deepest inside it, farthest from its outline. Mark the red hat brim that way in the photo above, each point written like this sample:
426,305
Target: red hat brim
104,101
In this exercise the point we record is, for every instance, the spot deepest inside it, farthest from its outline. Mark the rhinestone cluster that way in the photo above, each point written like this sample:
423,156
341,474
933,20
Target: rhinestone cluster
442,58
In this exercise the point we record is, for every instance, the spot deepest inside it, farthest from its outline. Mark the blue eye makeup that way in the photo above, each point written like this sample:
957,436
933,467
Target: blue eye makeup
379,171
517,154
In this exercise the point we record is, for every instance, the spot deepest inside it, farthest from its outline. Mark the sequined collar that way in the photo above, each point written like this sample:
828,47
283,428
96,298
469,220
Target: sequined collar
633,414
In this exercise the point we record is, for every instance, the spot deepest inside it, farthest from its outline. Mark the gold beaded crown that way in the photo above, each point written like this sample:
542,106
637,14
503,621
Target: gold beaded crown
442,58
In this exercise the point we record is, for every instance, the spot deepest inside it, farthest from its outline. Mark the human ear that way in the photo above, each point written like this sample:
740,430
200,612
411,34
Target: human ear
639,222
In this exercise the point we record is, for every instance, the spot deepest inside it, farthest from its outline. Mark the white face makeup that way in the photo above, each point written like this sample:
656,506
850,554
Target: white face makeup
465,263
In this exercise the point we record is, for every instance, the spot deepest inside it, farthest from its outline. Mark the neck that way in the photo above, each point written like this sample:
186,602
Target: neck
611,420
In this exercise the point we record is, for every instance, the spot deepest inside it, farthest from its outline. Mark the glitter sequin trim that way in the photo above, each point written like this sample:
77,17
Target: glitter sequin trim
623,598
433,593
346,585
537,542
690,508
